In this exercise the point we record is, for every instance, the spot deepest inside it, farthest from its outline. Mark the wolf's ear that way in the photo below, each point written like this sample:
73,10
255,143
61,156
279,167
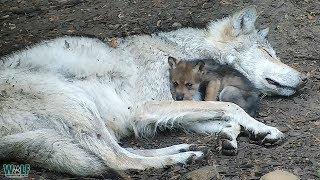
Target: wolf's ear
243,21
263,32
173,62
199,67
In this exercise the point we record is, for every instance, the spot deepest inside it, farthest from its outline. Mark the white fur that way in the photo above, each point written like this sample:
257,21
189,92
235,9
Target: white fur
65,103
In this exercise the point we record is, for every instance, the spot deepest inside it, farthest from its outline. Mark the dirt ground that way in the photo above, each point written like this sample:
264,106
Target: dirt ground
294,34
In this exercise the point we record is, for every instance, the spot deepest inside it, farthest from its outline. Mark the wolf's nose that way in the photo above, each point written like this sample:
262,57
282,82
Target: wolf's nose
179,97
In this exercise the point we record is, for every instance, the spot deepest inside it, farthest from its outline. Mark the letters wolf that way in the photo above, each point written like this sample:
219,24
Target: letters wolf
65,103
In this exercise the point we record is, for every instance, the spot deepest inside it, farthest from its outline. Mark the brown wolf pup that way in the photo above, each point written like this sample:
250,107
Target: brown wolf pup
209,81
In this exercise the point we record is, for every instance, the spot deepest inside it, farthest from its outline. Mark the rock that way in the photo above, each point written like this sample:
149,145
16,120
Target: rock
159,23
12,26
204,173
116,26
176,24
279,175
263,114
120,16
5,16
295,134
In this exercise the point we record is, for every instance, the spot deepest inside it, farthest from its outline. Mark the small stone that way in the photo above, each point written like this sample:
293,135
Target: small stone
176,24
12,26
97,18
294,134
263,114
114,43
5,16
311,17
116,26
279,175
284,129
159,23
204,173
54,18
72,30
120,16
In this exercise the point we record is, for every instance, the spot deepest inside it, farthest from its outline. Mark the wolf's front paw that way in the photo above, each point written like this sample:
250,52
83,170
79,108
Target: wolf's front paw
267,135
228,148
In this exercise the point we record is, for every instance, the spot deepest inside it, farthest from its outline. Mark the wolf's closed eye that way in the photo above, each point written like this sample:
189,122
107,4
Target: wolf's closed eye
266,52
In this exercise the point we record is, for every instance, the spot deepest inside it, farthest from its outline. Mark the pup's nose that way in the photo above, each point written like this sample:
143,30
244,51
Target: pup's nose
179,97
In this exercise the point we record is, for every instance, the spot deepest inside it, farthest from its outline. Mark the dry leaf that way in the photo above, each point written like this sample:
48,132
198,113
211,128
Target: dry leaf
158,23
310,17
113,42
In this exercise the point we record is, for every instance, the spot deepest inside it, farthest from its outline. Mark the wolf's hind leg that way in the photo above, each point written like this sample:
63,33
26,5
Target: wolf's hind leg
158,158
144,159
46,148
119,158
162,151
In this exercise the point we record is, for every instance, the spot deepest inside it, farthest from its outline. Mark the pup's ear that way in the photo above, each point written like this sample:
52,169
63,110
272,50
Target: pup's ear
173,62
263,32
243,21
199,67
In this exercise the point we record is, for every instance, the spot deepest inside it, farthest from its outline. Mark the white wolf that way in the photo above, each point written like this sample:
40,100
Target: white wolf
64,103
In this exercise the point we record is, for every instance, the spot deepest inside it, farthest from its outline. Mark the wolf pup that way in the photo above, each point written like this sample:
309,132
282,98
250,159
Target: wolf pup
209,81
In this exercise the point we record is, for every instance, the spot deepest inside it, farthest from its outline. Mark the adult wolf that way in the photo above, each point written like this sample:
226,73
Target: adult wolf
65,102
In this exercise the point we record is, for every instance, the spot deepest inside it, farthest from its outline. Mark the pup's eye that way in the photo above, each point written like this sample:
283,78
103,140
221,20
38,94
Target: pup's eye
188,85
175,84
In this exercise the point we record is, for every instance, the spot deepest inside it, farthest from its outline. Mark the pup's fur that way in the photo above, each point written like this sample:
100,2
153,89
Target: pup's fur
65,103
209,81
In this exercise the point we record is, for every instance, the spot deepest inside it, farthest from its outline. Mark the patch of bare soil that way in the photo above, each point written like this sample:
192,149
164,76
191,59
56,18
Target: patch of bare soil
294,33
